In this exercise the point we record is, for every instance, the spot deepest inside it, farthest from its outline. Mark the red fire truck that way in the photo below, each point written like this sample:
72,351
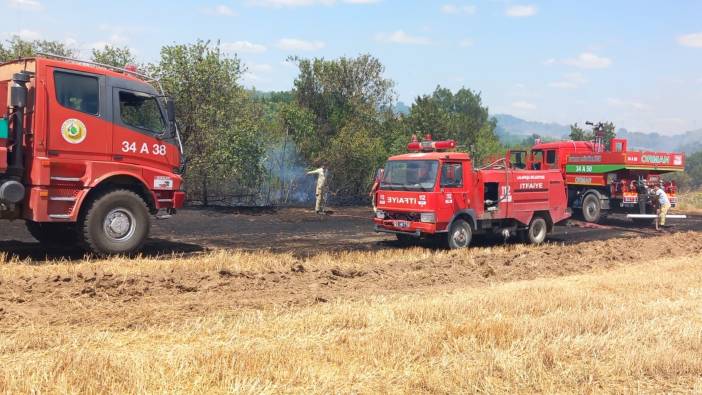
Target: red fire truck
432,192
87,152
604,179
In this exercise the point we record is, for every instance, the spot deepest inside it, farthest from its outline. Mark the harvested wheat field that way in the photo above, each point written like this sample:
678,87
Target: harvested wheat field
603,316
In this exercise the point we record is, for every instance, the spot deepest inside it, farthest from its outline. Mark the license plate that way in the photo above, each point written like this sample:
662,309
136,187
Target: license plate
402,224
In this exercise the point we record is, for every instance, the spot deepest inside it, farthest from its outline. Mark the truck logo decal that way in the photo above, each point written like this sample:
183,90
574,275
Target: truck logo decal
163,182
655,158
449,198
381,199
74,131
422,200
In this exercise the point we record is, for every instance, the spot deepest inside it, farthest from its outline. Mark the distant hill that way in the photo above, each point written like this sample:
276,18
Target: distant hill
511,130
688,142
511,125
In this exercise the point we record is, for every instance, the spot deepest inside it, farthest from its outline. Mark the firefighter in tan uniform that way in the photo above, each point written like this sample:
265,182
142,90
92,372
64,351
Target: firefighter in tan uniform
663,206
320,192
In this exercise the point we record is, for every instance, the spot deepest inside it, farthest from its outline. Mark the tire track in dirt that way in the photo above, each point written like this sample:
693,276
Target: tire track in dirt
157,294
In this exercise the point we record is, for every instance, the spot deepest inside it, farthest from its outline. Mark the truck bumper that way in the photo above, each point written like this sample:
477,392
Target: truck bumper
416,233
412,228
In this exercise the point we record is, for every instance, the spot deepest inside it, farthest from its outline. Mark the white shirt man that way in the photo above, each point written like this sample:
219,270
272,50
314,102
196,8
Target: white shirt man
663,204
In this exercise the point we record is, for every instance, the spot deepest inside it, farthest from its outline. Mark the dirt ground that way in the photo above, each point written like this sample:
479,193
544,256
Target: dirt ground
295,230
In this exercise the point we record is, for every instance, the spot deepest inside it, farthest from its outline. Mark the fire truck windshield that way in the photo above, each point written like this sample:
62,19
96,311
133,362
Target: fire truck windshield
410,175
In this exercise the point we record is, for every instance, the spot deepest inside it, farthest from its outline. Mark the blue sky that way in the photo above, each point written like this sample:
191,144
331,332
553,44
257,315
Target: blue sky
637,63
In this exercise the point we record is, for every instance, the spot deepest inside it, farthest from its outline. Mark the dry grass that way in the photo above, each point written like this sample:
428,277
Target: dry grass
690,202
631,329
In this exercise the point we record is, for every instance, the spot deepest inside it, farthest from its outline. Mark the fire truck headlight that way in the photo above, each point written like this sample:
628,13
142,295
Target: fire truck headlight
427,217
380,214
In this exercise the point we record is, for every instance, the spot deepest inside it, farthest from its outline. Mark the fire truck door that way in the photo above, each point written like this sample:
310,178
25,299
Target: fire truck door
454,195
79,115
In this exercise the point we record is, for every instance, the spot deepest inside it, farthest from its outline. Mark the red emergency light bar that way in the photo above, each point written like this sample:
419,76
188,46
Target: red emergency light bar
429,146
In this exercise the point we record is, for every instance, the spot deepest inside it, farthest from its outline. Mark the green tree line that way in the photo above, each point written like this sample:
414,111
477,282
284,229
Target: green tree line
246,146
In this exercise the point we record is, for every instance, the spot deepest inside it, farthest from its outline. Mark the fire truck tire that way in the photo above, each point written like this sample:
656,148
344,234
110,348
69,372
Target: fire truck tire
52,233
460,234
592,208
116,222
538,228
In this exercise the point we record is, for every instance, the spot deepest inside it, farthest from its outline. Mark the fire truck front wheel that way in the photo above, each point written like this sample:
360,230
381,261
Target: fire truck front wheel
538,228
460,234
117,222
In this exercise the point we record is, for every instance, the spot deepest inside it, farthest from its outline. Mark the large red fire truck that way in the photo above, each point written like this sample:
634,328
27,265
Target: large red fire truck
87,152
604,179
432,192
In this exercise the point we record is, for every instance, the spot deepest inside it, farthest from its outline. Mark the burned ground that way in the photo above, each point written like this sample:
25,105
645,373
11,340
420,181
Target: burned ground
296,230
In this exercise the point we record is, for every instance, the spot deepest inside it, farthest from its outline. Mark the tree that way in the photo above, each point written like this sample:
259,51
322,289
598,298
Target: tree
460,116
218,120
348,102
607,128
16,48
579,134
113,56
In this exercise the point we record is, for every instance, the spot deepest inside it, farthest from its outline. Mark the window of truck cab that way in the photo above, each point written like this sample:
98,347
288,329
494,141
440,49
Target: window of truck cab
141,111
410,175
452,175
78,91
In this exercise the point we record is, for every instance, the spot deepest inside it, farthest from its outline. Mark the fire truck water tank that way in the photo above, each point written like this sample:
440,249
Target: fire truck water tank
11,192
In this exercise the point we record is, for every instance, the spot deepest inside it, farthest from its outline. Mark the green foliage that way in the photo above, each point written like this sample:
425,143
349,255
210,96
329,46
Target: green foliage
693,168
339,118
16,48
113,56
579,134
218,120
460,116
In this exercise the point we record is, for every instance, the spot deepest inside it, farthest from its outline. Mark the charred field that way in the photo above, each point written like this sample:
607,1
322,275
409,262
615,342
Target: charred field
286,301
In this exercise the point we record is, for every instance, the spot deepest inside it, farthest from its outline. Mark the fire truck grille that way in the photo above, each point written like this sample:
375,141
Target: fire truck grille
403,216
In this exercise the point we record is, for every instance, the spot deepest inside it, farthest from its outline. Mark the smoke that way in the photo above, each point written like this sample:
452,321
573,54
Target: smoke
286,181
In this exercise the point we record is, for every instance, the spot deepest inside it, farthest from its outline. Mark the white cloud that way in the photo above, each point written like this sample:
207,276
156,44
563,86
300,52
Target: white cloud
303,3
523,105
454,9
521,11
259,68
691,40
569,81
629,104
243,47
549,61
219,10
465,43
589,60
400,37
294,44
27,34
27,5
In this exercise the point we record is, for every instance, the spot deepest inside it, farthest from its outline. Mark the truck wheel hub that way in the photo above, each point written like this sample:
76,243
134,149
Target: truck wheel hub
460,236
119,224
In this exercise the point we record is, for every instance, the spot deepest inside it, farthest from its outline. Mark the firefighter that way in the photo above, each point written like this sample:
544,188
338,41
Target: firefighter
661,198
376,184
320,198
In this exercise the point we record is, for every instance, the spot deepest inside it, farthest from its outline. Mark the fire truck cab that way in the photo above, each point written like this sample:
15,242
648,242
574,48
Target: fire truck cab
87,152
432,192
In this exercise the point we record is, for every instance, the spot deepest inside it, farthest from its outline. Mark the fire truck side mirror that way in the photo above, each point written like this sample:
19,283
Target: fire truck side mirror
170,109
